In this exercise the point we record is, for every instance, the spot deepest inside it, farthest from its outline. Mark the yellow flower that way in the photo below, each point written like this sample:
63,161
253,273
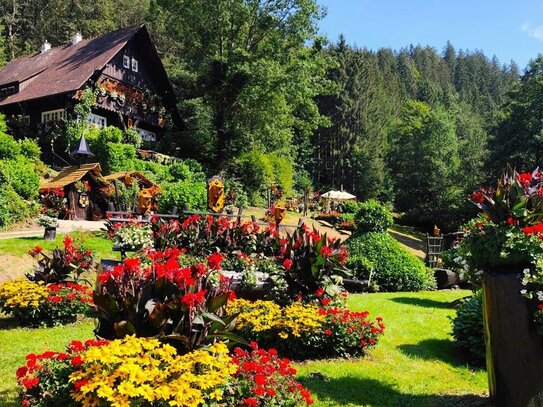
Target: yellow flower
296,319
134,370
22,294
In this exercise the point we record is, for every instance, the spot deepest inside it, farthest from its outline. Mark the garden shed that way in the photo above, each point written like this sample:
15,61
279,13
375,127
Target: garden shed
85,189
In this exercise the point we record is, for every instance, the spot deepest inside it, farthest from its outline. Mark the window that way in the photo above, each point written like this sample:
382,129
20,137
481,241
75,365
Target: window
53,115
98,121
134,65
126,61
146,135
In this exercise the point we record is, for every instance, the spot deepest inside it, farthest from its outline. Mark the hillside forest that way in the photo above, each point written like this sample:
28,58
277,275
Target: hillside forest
265,99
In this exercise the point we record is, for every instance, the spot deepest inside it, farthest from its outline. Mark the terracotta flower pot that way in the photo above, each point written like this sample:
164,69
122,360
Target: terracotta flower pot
514,350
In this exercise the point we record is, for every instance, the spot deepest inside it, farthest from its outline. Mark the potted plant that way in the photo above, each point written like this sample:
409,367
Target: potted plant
503,249
49,220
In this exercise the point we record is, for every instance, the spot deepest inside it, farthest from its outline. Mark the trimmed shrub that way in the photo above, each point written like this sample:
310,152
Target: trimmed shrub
373,216
193,194
118,157
12,208
30,149
468,328
132,137
9,148
349,207
21,175
395,269
360,266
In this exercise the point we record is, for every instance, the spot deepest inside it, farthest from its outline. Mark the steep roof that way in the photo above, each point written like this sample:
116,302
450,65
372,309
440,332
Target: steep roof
70,175
62,69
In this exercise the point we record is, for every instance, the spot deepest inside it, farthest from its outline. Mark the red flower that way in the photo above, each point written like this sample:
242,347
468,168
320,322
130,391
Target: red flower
326,251
260,379
525,178
80,384
77,360
325,301
319,292
540,306
31,382
251,401
478,197
21,371
287,264
328,332
214,261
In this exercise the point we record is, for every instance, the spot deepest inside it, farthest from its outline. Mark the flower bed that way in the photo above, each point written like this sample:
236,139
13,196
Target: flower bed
304,331
34,303
145,372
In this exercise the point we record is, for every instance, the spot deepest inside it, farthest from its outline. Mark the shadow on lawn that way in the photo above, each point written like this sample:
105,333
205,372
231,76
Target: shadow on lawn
422,302
370,392
444,350
8,399
8,323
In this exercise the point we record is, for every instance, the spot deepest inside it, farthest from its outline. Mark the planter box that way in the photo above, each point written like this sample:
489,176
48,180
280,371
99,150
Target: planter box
514,350
50,233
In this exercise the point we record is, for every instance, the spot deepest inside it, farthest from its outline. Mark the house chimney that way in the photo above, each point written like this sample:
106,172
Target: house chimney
45,47
76,38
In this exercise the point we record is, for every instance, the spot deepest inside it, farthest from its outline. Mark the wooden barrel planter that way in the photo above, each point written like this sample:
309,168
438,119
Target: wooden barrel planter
50,233
514,350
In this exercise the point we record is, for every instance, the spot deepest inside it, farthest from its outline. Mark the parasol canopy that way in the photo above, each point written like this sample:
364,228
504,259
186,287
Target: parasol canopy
338,196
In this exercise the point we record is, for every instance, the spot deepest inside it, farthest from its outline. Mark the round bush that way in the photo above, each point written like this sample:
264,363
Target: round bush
373,217
22,176
131,136
395,269
9,148
468,328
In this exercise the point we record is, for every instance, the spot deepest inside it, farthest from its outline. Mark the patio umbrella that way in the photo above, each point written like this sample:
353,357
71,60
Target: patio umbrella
338,196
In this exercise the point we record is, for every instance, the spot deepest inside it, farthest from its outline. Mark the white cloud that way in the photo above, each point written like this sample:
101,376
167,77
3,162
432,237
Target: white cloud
534,32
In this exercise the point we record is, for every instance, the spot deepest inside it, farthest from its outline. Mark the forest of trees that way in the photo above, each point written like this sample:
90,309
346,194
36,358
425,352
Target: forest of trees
265,99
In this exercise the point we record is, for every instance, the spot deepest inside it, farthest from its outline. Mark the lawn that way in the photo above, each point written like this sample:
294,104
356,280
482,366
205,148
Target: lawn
414,364
15,262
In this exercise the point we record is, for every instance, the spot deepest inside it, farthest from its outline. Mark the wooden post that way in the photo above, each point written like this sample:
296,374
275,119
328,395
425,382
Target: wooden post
117,195
514,350
240,211
253,218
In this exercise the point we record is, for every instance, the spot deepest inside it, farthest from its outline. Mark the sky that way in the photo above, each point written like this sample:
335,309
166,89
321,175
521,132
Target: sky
511,30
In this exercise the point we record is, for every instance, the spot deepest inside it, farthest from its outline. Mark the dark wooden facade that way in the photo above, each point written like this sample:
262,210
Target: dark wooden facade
137,94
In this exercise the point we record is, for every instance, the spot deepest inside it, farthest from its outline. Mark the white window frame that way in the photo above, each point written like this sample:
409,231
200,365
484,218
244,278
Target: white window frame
146,135
134,65
97,120
53,115
126,61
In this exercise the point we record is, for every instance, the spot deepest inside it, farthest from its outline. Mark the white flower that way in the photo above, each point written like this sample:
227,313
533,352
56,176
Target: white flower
523,292
526,271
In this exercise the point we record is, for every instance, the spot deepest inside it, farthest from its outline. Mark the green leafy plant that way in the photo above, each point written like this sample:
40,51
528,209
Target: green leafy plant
311,261
468,329
182,305
65,265
373,216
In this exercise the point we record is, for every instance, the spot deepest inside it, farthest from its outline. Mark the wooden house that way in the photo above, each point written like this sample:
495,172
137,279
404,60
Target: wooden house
86,191
121,67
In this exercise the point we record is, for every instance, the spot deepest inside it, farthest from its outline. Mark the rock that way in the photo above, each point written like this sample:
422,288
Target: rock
446,278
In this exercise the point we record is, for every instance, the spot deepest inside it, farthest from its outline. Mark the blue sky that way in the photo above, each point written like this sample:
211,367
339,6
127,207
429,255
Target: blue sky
511,30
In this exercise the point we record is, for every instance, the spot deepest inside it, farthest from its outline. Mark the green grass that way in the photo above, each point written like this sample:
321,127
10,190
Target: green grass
16,343
100,246
414,364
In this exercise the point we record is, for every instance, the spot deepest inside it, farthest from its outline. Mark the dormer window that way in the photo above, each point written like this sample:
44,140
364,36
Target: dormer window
134,65
126,61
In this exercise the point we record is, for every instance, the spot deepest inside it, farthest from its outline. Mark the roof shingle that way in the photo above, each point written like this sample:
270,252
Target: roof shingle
62,69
